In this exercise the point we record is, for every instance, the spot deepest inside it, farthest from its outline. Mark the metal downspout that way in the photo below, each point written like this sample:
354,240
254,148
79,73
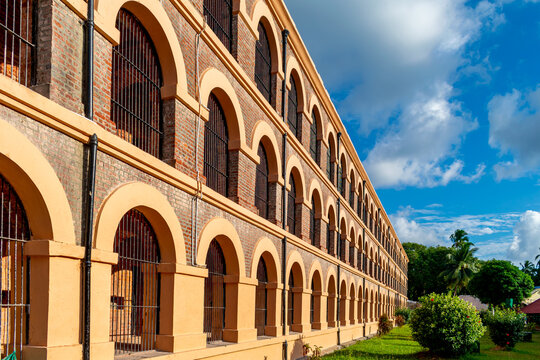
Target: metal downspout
284,34
88,233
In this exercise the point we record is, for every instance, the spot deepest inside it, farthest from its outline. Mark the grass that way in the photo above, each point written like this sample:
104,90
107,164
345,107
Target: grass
400,345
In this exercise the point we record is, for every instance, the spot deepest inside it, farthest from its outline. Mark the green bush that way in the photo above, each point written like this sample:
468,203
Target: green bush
405,312
506,327
400,320
385,325
446,325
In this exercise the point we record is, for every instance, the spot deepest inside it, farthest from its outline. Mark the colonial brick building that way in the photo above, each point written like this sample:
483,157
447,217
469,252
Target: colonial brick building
223,213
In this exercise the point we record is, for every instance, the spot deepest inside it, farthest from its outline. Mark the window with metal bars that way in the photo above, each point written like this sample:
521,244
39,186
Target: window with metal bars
290,300
261,298
17,40
351,194
328,237
351,254
261,183
136,106
14,270
314,143
214,293
329,165
312,222
218,15
216,148
312,304
292,110
359,204
135,286
342,247
263,64
291,206
339,180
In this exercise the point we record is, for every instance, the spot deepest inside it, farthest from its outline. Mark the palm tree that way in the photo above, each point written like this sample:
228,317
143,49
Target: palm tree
528,268
537,258
460,238
461,267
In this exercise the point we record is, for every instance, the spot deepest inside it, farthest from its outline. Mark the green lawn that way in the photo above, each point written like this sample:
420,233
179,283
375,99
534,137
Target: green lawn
400,345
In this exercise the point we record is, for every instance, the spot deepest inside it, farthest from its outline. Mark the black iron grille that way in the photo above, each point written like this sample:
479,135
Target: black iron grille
17,40
218,14
214,293
216,148
263,64
261,183
261,298
314,144
136,86
291,206
135,286
14,269
292,109
290,300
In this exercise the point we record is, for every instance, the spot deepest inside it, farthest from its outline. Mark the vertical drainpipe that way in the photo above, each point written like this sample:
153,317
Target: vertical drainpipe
338,251
91,181
364,277
284,34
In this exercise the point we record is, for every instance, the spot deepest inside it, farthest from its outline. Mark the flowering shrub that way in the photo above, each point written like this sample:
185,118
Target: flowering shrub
405,312
446,325
385,325
400,321
506,327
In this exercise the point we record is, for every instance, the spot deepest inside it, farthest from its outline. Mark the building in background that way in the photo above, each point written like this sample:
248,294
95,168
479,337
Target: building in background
231,217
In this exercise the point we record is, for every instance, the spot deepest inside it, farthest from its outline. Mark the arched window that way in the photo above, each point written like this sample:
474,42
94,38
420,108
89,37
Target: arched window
17,47
314,144
351,254
331,303
290,300
261,298
14,269
214,293
261,183
292,110
339,181
263,64
135,285
218,15
216,148
312,304
351,193
136,86
312,222
329,238
291,206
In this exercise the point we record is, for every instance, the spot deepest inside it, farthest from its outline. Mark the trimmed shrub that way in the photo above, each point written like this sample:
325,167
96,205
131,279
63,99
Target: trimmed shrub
446,325
506,327
385,325
405,312
400,321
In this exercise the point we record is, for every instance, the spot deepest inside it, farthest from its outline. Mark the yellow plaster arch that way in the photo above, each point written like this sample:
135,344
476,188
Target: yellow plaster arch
330,272
261,12
214,81
295,258
330,134
263,132
316,185
222,230
294,163
37,185
314,105
156,21
263,246
315,266
154,206
293,68
331,203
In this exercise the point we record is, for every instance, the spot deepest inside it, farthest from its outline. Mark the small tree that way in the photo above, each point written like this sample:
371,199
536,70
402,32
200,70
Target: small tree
446,325
506,327
499,280
385,325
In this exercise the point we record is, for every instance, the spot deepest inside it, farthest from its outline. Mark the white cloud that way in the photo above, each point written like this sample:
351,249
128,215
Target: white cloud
514,120
390,64
526,241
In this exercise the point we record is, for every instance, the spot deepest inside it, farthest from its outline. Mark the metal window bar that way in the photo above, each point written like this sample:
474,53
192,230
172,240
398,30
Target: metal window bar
17,36
351,195
328,237
291,206
292,109
290,300
216,148
329,172
339,182
314,144
351,255
135,286
261,183
261,298
136,106
263,64
214,293
312,304
218,14
312,221
342,254
14,271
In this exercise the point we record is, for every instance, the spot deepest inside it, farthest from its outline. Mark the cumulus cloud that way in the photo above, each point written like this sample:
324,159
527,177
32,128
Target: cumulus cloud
526,241
390,63
514,120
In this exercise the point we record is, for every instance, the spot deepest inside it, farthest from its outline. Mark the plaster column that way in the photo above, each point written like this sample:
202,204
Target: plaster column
239,314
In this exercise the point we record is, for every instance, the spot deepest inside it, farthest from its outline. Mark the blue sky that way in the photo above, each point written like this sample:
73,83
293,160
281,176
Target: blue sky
442,101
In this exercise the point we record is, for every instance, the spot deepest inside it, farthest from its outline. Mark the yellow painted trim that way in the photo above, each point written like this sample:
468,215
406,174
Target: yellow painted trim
261,12
263,132
266,248
295,258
